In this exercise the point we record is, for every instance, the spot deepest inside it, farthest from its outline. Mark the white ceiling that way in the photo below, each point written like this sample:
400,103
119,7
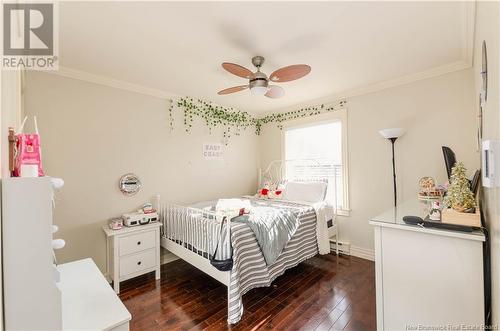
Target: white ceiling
178,47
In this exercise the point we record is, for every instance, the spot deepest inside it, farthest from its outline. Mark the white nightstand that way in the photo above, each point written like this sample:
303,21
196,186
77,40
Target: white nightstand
132,251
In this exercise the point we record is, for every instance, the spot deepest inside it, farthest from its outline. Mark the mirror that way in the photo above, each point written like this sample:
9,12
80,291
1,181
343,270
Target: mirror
484,73
129,184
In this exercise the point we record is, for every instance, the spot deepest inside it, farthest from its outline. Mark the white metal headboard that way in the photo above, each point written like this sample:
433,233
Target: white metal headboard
275,173
276,170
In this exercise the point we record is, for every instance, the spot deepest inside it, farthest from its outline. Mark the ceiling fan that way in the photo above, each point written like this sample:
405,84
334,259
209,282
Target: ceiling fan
258,82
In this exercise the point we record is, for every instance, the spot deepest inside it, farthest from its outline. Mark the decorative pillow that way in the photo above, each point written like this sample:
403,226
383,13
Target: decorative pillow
264,192
305,191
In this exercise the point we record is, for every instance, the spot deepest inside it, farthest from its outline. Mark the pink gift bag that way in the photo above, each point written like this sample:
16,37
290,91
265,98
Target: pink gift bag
28,162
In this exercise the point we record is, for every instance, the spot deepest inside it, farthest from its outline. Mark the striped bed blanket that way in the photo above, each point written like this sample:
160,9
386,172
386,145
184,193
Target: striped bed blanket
250,269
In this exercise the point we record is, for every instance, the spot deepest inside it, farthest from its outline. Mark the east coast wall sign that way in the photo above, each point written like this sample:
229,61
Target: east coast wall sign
213,151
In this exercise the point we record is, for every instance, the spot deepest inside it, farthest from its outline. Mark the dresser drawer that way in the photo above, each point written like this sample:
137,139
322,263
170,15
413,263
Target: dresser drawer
137,242
137,262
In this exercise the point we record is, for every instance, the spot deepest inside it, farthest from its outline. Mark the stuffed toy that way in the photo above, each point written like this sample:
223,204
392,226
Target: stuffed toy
270,191
264,192
275,194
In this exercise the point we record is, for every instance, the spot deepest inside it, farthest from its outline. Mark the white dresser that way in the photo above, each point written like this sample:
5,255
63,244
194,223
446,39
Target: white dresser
88,302
132,251
428,278
32,300
38,295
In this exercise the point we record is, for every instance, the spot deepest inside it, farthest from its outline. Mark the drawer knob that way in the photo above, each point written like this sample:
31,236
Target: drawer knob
139,263
138,243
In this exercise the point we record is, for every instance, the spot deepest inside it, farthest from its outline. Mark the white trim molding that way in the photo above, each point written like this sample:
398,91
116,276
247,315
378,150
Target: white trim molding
364,253
469,12
111,82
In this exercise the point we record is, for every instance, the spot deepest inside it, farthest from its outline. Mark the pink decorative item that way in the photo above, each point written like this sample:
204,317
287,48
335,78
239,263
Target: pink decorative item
116,224
28,162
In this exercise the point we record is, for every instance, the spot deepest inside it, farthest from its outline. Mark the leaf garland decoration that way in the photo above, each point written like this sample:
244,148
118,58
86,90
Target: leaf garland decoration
234,120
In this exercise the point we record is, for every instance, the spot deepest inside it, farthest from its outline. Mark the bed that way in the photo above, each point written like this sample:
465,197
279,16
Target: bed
277,235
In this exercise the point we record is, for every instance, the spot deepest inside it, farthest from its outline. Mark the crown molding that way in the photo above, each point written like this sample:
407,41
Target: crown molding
406,79
111,82
382,85
367,89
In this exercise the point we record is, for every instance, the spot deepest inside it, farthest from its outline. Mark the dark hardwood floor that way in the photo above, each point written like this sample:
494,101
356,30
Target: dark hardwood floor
322,293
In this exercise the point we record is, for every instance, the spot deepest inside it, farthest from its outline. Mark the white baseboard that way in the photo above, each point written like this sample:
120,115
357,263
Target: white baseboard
364,253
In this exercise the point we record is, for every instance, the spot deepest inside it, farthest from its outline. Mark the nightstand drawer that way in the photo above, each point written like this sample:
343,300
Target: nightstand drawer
137,262
137,242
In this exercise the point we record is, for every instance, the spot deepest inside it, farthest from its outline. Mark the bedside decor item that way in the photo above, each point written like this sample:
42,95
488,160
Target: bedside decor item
139,218
459,196
393,134
435,211
426,183
429,190
115,224
129,184
28,160
147,208
451,216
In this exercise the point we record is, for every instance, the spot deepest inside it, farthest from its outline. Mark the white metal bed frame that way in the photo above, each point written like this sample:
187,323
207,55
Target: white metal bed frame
181,217
187,215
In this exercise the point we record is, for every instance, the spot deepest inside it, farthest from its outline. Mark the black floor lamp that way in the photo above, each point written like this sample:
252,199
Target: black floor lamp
393,135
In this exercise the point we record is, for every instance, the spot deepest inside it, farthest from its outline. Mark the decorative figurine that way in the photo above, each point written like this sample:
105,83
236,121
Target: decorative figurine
435,212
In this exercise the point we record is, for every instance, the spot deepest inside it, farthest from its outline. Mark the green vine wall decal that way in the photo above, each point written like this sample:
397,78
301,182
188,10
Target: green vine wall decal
214,115
233,120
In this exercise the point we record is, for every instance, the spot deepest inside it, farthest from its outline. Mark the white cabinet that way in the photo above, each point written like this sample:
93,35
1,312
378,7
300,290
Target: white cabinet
88,302
32,300
426,277
132,251
37,294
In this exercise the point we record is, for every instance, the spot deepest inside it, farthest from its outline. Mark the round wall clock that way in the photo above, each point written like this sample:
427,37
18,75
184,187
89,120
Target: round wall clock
129,184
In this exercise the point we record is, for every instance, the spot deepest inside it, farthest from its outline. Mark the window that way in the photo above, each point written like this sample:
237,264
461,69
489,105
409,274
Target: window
318,151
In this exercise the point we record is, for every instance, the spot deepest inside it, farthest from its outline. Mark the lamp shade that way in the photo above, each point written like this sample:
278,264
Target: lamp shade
392,133
258,90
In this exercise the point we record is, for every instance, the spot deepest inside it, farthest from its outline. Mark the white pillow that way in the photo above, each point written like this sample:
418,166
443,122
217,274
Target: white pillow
305,191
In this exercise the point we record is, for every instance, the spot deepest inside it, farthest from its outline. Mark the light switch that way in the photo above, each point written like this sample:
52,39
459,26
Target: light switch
491,163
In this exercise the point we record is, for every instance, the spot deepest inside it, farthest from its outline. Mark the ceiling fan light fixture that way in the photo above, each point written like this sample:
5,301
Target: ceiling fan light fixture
258,82
258,90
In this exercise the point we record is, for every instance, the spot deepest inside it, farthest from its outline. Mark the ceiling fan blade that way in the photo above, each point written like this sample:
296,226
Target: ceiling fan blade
237,70
289,73
233,89
275,92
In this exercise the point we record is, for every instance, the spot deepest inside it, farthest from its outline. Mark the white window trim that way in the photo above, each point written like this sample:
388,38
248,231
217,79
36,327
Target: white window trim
339,115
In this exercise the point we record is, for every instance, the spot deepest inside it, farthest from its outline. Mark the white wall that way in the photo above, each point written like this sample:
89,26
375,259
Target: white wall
437,111
11,113
488,28
92,135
